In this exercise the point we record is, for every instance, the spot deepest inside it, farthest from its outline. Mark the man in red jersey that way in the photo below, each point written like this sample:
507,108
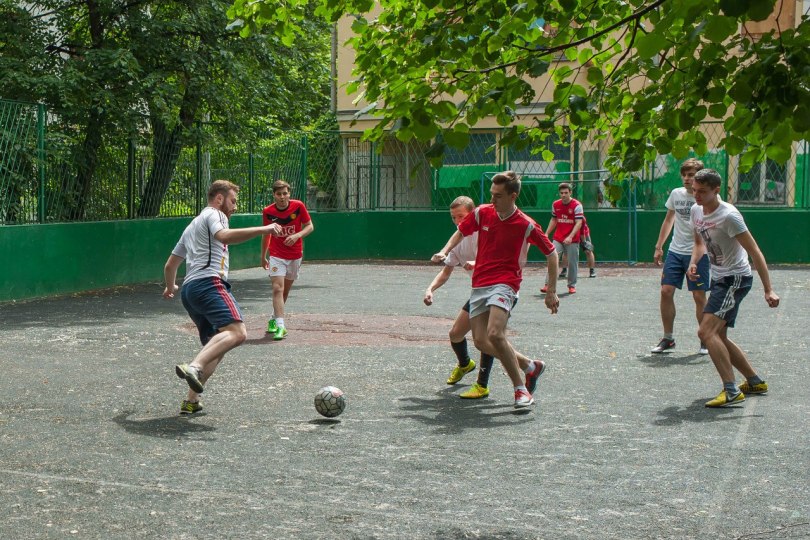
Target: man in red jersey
566,222
285,252
504,235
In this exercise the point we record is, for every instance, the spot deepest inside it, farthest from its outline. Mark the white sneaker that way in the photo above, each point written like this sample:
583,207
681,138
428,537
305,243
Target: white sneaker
523,399
703,350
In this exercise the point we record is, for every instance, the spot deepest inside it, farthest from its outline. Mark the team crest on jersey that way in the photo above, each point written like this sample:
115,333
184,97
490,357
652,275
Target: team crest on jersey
293,216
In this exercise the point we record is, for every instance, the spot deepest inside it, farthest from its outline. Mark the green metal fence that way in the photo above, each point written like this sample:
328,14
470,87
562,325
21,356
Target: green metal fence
47,174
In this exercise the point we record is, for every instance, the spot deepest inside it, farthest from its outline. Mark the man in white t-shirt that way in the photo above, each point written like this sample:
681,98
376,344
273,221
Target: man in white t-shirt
462,255
720,231
206,292
679,204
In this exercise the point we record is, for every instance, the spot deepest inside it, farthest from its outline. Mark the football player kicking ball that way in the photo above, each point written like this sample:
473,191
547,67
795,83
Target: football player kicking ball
504,235
462,255
721,232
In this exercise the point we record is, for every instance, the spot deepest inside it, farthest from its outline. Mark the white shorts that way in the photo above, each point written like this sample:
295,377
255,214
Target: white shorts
286,268
497,295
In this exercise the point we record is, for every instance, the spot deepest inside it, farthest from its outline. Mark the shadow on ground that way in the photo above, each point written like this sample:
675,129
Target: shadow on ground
169,427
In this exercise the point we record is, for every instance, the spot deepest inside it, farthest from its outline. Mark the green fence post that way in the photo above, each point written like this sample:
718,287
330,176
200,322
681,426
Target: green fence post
251,185
198,174
302,183
42,162
372,175
131,179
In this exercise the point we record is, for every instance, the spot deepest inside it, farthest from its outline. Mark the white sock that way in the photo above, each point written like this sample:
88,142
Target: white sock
280,322
528,369
521,387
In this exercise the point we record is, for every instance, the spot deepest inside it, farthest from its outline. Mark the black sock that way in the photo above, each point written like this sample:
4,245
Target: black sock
484,369
460,349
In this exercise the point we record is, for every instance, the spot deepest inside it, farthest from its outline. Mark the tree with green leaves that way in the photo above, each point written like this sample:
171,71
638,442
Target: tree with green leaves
109,70
641,73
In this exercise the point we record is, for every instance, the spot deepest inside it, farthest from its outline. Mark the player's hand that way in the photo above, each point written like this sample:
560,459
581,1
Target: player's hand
169,292
469,266
265,263
438,257
567,241
552,302
273,229
428,300
692,273
290,240
658,255
772,299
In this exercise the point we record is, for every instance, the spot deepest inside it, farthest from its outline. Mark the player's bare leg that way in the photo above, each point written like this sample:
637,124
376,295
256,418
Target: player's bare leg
700,303
737,357
668,308
711,332
278,296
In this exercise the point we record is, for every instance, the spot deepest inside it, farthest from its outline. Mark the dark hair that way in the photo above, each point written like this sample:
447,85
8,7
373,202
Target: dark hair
221,187
691,164
708,177
280,184
510,179
564,185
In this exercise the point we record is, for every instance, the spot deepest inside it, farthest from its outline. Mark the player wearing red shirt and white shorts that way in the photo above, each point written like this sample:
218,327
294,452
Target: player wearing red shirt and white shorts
504,235
285,252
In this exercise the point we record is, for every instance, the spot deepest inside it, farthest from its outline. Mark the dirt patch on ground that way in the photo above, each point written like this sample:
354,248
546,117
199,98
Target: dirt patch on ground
349,330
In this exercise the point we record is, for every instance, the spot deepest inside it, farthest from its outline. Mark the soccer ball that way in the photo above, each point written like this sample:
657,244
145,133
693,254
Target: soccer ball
330,401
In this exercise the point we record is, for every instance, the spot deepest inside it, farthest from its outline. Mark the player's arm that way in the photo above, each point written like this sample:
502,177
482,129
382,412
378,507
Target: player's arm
453,242
698,251
440,279
663,234
750,245
170,275
552,224
266,239
552,301
237,236
574,231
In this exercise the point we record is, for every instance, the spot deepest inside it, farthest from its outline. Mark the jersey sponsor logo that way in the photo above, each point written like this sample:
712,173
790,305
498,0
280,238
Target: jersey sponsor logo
288,230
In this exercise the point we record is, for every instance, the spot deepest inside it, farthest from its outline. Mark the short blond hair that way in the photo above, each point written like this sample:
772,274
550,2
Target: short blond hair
463,200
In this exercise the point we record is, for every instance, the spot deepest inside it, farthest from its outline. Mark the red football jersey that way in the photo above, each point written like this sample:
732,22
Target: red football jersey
503,245
566,215
292,219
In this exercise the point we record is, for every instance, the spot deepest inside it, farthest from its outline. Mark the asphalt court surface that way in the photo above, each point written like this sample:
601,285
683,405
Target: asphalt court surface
619,444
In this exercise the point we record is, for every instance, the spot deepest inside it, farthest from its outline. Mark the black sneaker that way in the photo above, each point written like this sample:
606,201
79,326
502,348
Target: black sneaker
563,274
592,273
665,345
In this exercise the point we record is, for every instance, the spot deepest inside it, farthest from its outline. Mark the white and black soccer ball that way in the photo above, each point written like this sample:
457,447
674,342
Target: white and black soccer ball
330,401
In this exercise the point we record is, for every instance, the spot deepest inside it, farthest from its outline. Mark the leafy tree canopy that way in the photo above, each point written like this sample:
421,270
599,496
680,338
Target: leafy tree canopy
640,73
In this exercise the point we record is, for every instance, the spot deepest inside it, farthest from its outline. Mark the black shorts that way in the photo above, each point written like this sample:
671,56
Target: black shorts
726,295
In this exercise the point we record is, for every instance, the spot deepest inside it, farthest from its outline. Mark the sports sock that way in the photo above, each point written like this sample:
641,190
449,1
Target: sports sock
730,387
280,322
667,335
755,380
521,387
529,369
460,349
484,369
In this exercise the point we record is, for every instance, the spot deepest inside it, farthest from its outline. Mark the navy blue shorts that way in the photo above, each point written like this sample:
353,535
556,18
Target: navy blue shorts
727,293
210,305
676,266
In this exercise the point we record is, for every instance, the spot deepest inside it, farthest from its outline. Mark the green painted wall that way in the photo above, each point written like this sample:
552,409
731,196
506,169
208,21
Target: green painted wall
46,260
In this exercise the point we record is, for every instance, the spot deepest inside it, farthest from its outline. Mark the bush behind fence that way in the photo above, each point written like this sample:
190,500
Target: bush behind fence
45,176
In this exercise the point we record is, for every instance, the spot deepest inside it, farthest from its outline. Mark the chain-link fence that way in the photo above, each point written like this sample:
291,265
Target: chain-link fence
50,174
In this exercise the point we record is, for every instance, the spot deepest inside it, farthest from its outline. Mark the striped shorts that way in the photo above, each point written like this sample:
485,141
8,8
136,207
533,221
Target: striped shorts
726,295
210,305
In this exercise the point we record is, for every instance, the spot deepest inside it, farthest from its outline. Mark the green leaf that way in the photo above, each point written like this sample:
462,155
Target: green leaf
735,8
648,45
595,76
537,67
733,144
779,152
719,28
457,139
759,10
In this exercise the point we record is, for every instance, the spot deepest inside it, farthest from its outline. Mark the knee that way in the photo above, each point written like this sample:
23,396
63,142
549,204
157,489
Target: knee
704,334
456,335
480,343
667,292
496,337
238,335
